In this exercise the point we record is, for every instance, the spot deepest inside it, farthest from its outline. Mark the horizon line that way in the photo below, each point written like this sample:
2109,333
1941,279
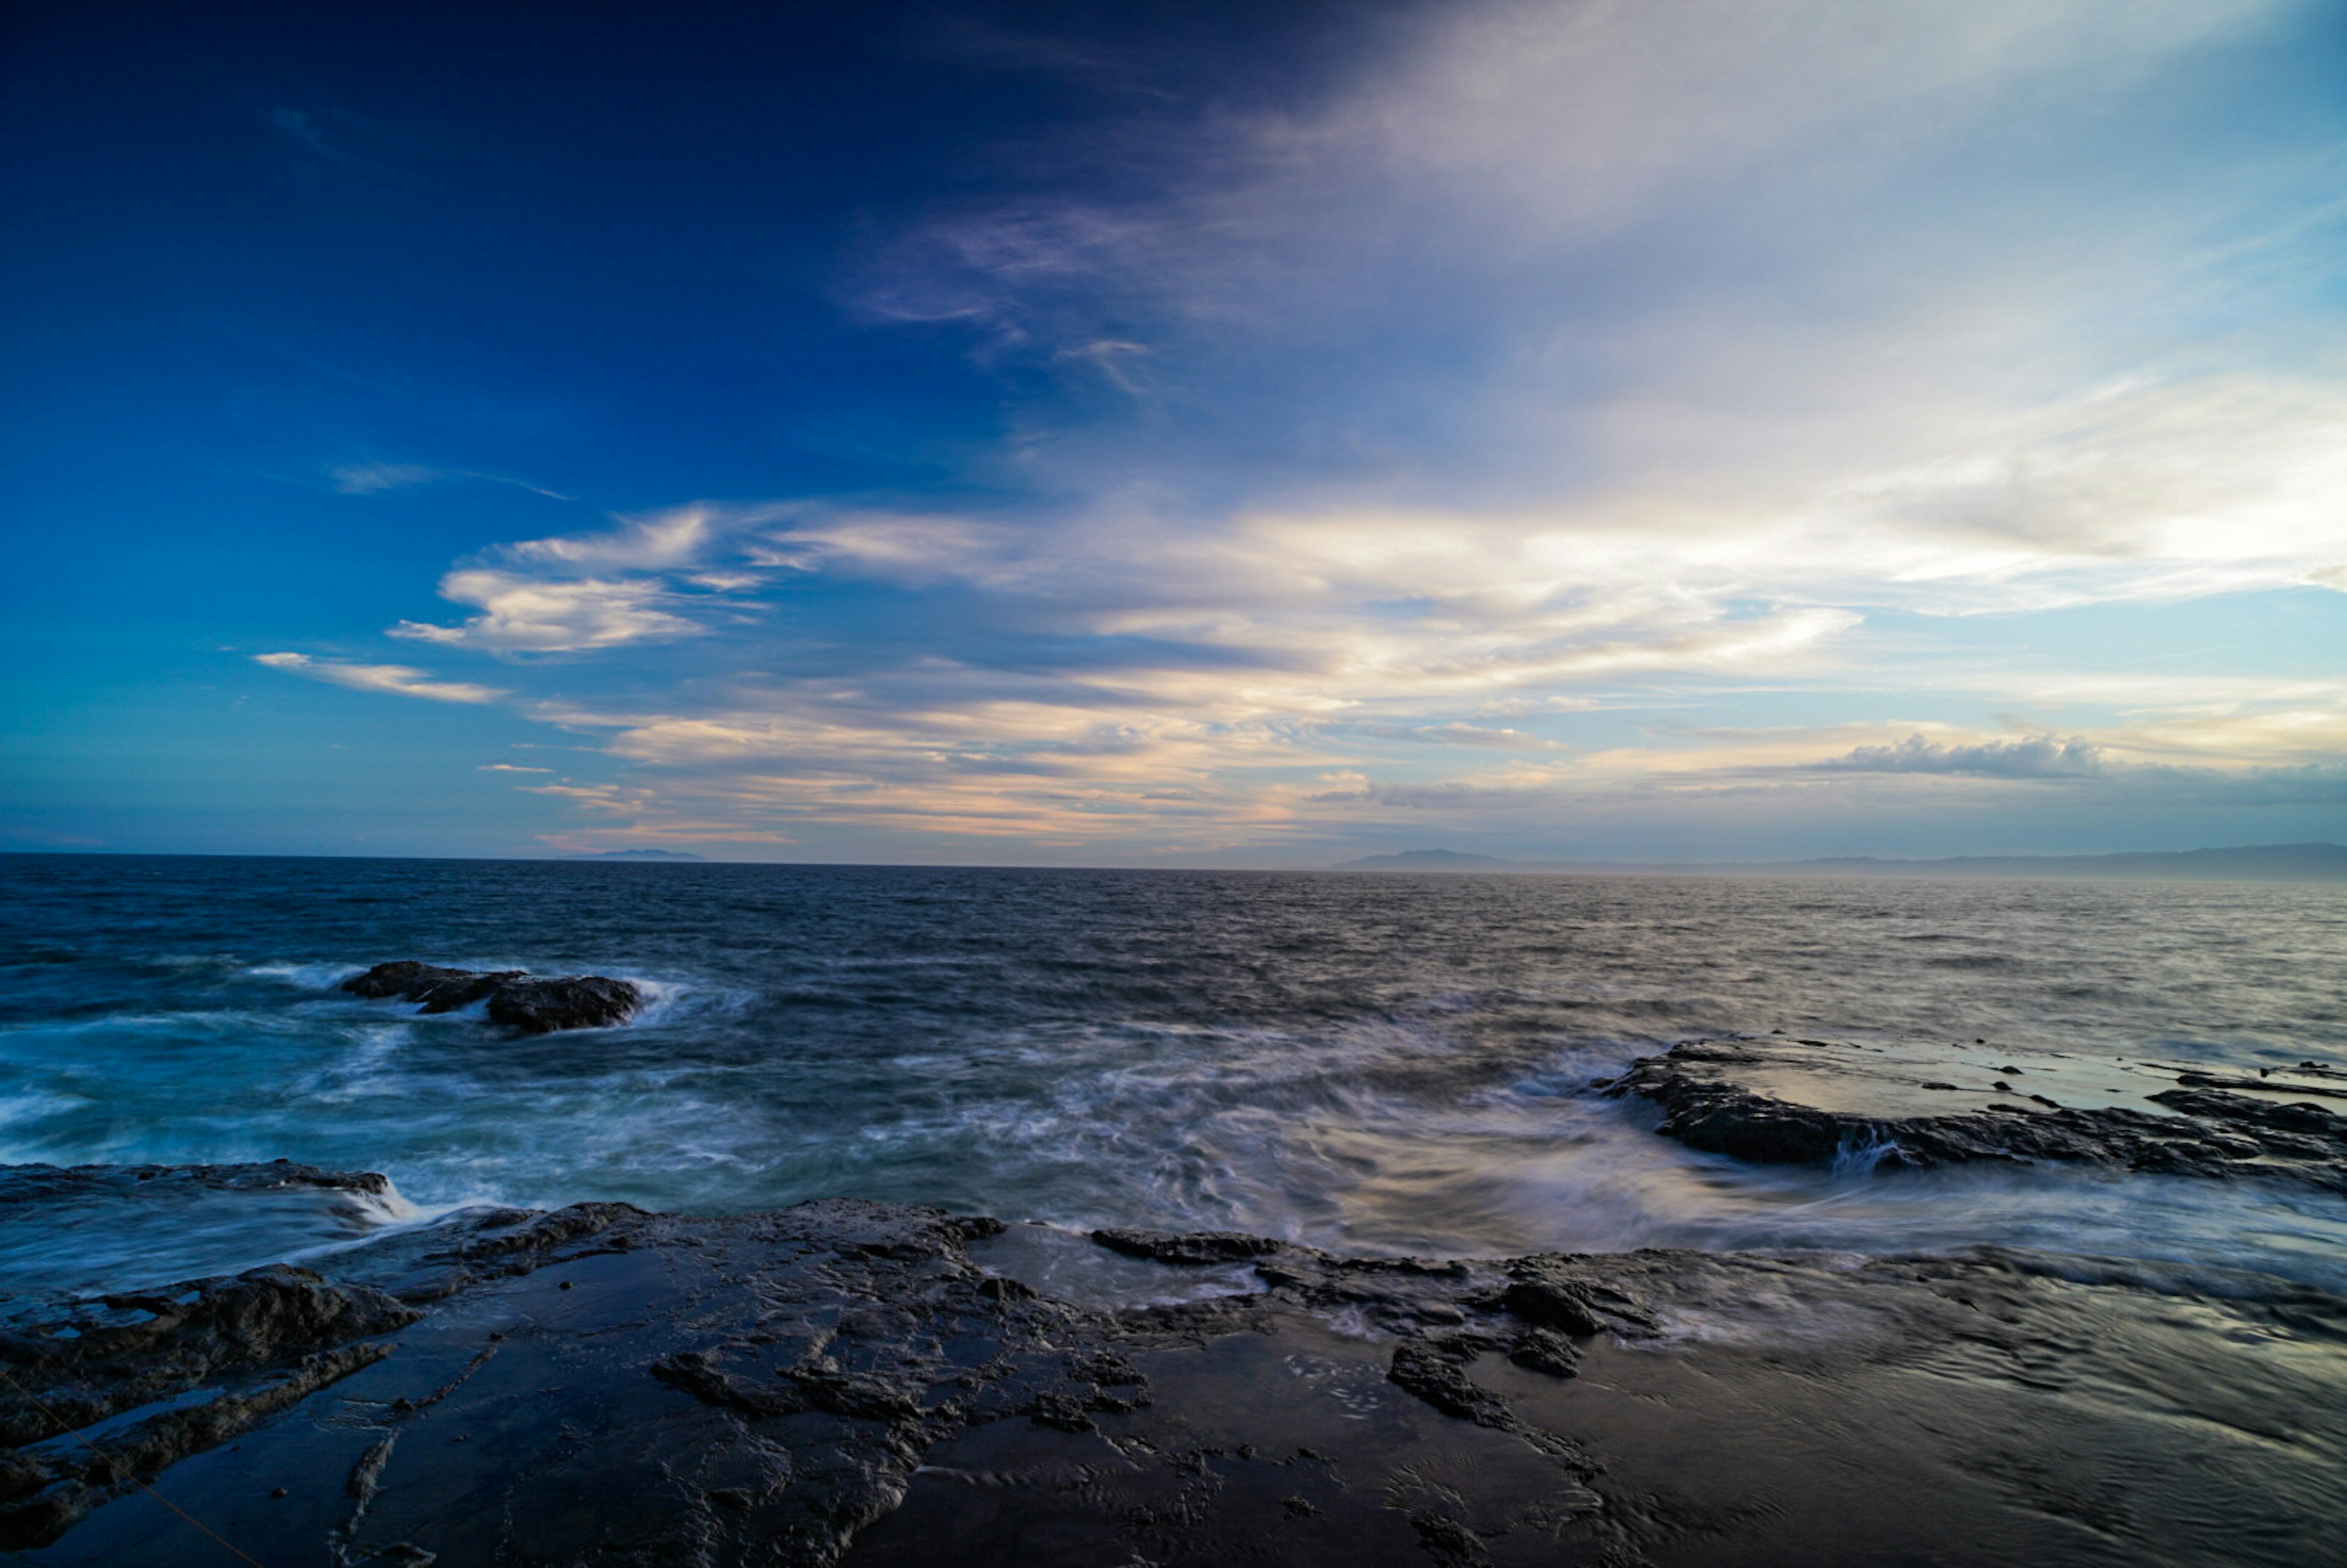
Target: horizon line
1475,864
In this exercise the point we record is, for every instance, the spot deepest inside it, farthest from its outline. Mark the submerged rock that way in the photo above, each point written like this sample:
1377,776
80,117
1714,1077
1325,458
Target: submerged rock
847,1382
1739,1098
527,1005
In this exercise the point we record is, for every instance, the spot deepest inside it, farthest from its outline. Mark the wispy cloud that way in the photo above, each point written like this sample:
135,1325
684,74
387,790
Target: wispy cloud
368,479
675,538
372,479
606,798
400,679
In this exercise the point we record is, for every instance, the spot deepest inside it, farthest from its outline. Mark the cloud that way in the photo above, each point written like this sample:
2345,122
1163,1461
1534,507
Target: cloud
674,537
1452,734
1553,366
510,768
1446,795
564,594
398,678
372,478
611,799
2037,757
527,614
1972,352
367,479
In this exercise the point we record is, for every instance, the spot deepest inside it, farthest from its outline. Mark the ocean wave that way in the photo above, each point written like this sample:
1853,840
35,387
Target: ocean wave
309,977
1299,1056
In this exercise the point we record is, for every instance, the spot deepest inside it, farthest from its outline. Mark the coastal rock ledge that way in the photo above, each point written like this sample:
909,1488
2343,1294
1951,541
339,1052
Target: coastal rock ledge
1822,1102
521,1002
871,1385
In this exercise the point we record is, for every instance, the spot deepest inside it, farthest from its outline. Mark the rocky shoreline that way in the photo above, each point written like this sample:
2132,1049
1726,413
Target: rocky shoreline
870,1384
1773,1101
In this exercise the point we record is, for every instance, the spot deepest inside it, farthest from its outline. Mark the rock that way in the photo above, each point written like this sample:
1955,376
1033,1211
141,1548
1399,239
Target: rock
575,1001
1448,1541
163,1375
438,989
1194,1249
49,1185
1432,1372
2210,1132
59,1225
1545,1350
525,1005
1552,1304
2239,1110
844,1383
2263,1082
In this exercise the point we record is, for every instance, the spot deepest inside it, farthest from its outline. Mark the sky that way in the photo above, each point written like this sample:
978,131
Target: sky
1175,434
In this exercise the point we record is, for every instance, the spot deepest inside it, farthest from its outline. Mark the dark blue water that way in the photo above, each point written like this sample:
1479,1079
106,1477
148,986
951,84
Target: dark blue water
1369,1062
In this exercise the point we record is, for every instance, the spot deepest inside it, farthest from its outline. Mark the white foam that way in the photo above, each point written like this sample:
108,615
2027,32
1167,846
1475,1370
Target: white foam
307,977
660,997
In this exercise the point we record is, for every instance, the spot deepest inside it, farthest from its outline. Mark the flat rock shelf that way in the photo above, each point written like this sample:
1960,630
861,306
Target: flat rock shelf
870,1384
1775,1101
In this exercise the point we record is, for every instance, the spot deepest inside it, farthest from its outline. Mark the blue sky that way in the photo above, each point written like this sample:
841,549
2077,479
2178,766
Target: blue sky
1177,434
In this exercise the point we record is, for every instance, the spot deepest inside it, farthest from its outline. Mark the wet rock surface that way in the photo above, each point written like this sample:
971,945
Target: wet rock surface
524,1004
1202,1247
46,1186
147,1378
851,1382
1773,1103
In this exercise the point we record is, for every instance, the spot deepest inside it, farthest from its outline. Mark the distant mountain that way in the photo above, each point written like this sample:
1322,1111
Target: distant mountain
2247,863
642,854
1430,860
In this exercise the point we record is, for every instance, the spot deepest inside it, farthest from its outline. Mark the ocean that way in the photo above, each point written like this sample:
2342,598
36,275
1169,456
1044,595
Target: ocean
1374,1063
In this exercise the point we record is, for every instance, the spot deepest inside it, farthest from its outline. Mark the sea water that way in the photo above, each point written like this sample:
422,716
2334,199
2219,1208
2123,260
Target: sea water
1375,1063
